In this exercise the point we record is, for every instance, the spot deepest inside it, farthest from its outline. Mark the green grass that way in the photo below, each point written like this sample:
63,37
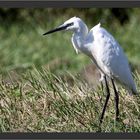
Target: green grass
41,101
22,45
20,51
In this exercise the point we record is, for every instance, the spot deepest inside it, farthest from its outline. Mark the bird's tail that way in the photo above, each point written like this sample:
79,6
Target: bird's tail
133,91
132,88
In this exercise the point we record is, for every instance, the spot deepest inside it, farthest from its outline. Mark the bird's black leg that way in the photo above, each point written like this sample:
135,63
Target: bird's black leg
106,101
102,86
116,99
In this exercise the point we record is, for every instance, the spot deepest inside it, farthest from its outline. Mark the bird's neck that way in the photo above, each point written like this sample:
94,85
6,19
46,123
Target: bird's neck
79,36
78,40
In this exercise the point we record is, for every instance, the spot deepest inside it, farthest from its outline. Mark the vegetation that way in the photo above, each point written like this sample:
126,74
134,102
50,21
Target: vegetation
41,86
42,101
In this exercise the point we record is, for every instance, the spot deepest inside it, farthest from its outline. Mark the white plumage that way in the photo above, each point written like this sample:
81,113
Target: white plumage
105,52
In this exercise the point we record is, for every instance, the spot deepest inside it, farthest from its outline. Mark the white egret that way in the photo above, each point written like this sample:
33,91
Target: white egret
105,52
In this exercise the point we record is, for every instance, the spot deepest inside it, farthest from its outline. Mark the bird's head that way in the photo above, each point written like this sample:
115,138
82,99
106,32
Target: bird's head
73,24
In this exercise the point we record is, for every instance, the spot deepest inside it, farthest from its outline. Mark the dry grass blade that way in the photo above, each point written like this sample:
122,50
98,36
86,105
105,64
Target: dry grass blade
42,101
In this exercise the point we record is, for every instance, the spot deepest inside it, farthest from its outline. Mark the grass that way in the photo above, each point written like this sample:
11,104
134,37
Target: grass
41,101
22,45
41,88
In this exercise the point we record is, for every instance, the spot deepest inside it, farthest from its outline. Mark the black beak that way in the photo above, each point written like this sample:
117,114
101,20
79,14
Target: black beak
60,28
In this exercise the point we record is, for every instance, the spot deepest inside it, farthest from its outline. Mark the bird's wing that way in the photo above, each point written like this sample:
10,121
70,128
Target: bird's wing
110,56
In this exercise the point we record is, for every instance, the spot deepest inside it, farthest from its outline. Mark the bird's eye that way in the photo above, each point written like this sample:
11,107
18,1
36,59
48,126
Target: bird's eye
70,24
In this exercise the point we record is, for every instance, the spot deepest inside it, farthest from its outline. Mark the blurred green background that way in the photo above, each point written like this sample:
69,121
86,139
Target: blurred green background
22,45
